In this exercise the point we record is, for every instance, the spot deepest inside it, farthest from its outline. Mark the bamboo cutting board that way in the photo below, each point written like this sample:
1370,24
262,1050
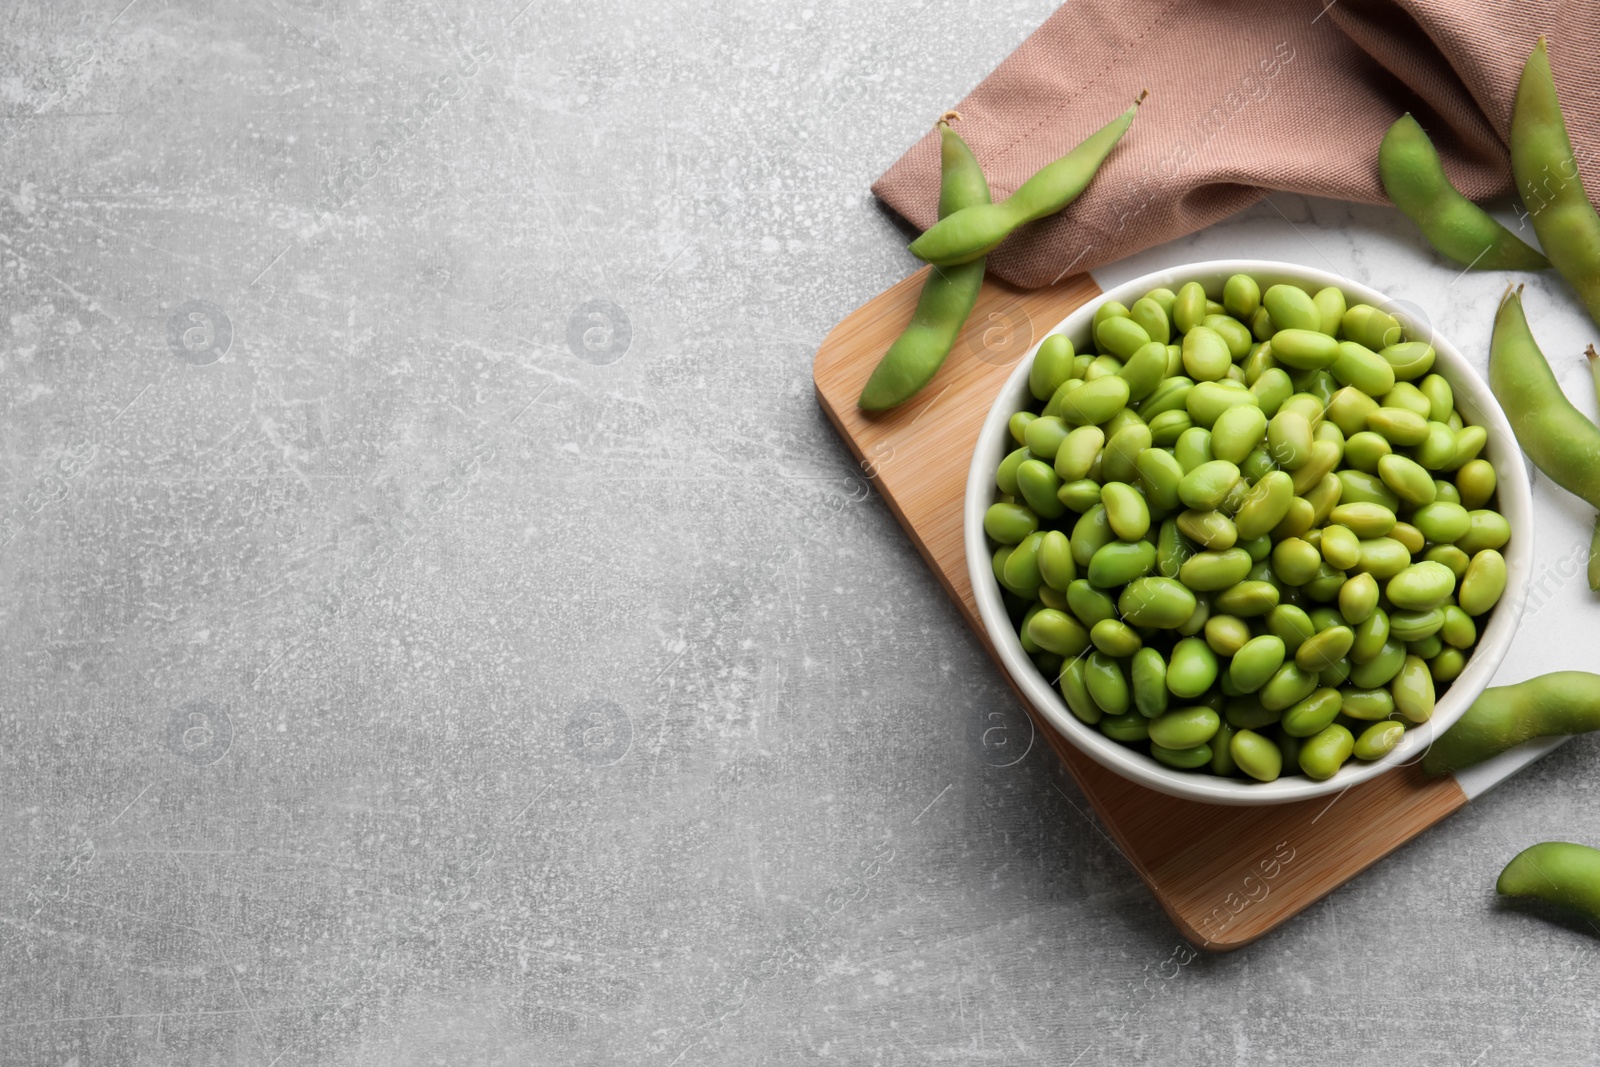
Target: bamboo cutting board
1225,875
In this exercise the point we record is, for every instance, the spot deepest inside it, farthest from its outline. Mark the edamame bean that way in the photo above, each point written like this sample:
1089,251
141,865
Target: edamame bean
1476,483
1206,356
1247,599
1349,409
1457,629
1485,529
1323,498
1009,523
1126,511
1378,740
1121,336
1312,715
1208,400
1372,634
1413,690
1091,533
1185,727
1236,432
1368,326
1398,426
1211,571
1421,586
1256,755
1161,603
1325,457
1241,296
1380,669
1362,368
1056,631
1442,522
1205,487
1120,562
1144,370
1149,677
1412,626
1255,662
1288,686
1358,598
1077,451
1365,449
1021,570
1265,506
1408,479
1192,668
1410,359
1447,665
1079,496
1095,402
1075,691
1322,756
1129,727
1291,308
1235,333
1341,548
1457,228
1052,365
1296,521
1115,638
1005,477
1383,557
1366,705
1331,307
1365,519
1550,705
1304,349
1326,585
1208,529
1294,561
1089,604
1107,684
1184,759
1038,485
1484,582
1324,650
1168,426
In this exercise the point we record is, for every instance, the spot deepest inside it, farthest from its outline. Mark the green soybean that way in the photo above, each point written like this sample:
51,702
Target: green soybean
1321,756
969,233
948,293
1458,229
1412,689
1558,872
1378,740
1484,582
1421,586
1559,440
1185,727
1255,755
1057,632
1157,602
1009,523
1191,669
1503,717
1256,662
1358,598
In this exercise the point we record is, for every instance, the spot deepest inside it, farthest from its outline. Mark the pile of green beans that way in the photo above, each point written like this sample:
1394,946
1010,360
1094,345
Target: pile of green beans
1245,531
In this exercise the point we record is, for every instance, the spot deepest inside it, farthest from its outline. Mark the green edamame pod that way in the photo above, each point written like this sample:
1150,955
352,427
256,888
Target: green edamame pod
1551,183
1559,872
1460,230
1556,436
969,233
948,293
1551,705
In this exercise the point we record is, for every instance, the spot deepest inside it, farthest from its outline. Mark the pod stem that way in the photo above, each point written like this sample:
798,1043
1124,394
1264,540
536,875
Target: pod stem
1140,98
947,118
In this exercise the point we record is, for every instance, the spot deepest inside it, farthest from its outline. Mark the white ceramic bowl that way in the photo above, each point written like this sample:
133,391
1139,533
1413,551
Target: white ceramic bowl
1473,399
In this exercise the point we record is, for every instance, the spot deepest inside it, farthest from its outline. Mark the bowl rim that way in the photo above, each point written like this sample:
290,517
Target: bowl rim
1514,501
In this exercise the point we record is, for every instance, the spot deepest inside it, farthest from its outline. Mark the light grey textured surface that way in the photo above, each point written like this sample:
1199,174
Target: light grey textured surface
440,627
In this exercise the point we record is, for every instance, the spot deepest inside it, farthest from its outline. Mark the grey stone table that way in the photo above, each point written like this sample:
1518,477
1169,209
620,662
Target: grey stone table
440,627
